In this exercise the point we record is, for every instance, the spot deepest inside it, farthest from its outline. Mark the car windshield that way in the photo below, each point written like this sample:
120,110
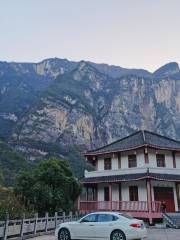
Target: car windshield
126,216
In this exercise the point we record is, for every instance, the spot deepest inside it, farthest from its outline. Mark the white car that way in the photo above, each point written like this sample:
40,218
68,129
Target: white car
103,225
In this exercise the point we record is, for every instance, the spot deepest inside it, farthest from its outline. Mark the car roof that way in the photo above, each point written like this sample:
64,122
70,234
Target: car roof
114,213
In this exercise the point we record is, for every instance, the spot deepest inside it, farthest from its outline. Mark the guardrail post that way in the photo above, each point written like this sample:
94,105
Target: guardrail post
6,227
55,219
35,222
76,215
70,216
64,216
22,226
46,217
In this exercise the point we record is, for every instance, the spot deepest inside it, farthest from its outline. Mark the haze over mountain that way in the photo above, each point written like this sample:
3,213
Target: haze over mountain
60,107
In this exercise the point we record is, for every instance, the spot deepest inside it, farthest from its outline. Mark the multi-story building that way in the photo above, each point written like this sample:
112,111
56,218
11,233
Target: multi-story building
134,174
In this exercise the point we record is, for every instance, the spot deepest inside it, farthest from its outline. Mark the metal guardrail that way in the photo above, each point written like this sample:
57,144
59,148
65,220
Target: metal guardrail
21,229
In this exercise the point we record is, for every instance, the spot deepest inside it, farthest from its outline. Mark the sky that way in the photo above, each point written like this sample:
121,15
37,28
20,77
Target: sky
128,33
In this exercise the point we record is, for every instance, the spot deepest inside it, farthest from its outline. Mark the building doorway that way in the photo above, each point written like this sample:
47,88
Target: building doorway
165,194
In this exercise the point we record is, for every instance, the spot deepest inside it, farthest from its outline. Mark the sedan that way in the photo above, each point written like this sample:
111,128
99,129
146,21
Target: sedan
104,226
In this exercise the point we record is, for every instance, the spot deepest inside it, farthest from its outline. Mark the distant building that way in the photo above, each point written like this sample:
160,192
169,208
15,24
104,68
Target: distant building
134,174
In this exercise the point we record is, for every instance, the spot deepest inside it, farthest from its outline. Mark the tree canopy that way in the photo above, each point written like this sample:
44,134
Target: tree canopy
11,162
50,187
9,203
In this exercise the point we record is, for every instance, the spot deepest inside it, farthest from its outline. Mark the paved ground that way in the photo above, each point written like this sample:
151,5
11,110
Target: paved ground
153,234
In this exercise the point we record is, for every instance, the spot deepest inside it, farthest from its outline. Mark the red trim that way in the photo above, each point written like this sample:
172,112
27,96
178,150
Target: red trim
137,179
149,195
110,194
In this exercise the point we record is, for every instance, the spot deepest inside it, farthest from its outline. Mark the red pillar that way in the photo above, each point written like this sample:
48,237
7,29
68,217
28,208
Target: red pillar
110,195
149,199
177,193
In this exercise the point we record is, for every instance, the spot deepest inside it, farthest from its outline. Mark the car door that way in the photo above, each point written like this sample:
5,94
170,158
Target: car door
84,229
104,225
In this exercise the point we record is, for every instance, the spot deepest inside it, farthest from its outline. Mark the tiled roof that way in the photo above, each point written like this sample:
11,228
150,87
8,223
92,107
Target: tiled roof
137,140
131,177
115,178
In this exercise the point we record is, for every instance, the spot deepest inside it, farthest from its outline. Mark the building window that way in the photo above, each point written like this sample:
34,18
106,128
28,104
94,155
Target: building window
132,161
160,160
106,194
107,163
119,160
133,193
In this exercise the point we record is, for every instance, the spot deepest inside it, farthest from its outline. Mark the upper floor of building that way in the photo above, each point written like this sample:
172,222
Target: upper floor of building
142,149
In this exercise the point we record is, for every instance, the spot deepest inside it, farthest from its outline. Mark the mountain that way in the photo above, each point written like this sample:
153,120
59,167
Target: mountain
167,70
61,108
20,86
11,163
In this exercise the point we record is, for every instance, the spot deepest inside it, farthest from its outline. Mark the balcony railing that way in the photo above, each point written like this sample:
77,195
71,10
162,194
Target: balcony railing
127,206
143,169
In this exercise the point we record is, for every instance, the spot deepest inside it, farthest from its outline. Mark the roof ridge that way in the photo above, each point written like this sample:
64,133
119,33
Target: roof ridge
144,137
160,135
119,140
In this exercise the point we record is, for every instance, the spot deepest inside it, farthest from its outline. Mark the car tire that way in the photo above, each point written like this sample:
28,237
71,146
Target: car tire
117,235
64,234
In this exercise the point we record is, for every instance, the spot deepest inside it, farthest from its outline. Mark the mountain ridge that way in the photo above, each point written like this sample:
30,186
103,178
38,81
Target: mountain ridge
62,108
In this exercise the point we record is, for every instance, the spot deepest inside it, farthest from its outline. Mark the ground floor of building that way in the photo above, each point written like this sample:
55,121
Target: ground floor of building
142,198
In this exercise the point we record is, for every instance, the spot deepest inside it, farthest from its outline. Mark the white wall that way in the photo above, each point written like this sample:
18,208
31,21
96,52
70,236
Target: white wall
124,191
139,155
152,158
100,165
140,159
100,195
114,159
177,160
142,193
115,191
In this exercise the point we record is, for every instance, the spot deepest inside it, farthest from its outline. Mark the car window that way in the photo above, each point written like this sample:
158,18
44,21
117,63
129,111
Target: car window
106,218
126,216
90,218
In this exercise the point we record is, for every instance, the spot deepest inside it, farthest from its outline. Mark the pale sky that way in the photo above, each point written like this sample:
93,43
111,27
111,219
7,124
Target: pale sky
129,33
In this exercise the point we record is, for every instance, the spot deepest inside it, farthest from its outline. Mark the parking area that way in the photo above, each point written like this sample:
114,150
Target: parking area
153,234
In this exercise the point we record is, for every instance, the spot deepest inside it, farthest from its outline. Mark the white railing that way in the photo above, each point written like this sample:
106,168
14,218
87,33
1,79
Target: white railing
164,170
33,226
115,172
127,206
160,170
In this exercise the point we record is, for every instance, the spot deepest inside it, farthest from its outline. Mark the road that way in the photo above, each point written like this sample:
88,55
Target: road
153,234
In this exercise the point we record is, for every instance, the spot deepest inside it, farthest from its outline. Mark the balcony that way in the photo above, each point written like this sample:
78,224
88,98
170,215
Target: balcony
123,206
144,169
136,209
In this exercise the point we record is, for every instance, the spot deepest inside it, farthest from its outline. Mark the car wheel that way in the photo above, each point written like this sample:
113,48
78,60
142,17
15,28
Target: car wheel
118,235
64,234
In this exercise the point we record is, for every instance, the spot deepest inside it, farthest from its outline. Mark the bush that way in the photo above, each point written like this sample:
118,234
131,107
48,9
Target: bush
50,187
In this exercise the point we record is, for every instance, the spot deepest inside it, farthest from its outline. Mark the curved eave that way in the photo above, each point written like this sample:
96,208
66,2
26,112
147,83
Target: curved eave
130,149
139,179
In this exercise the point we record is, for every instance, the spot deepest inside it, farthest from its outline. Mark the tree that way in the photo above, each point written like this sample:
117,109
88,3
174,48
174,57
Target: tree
1,178
10,204
49,187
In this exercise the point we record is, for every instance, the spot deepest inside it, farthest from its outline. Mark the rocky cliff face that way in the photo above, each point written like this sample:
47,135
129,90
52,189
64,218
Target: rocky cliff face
84,105
87,107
